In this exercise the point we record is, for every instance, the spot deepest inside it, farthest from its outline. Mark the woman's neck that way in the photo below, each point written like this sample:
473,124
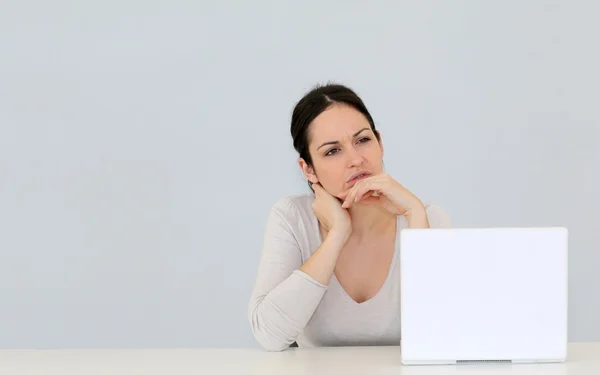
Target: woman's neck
370,220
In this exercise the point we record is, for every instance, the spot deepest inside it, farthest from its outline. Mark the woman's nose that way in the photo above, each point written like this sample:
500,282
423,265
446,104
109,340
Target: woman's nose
354,157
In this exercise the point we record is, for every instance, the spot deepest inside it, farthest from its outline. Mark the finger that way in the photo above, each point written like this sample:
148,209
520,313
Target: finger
376,180
358,188
349,197
344,193
317,187
362,197
354,191
365,187
373,200
362,191
365,190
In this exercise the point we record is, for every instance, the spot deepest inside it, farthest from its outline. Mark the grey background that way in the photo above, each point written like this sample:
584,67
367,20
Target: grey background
143,142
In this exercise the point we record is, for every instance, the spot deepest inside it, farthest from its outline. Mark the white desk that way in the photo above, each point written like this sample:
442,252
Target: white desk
584,358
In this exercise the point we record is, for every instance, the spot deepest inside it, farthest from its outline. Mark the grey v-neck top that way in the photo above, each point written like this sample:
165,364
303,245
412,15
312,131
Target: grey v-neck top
288,305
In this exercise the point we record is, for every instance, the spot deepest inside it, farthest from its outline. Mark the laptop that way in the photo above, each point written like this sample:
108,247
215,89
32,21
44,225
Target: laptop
487,295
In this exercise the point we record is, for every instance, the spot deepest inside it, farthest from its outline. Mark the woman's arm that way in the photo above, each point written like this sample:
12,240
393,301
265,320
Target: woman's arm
287,292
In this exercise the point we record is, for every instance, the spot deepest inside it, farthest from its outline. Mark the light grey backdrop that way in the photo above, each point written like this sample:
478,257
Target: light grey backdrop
143,142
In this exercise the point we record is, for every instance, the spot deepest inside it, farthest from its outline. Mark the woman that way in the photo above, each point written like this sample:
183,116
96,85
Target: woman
329,273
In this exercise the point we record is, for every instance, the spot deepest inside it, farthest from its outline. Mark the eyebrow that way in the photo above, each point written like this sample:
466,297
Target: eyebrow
337,142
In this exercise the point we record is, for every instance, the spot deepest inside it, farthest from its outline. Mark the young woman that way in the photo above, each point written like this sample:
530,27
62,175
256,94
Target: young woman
329,273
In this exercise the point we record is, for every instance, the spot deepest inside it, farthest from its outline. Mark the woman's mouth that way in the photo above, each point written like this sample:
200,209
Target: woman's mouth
359,177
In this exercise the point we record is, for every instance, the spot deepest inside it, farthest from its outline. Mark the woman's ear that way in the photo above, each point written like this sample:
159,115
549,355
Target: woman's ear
308,171
380,142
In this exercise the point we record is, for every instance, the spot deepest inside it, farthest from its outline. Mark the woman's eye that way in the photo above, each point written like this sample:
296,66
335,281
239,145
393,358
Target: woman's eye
336,150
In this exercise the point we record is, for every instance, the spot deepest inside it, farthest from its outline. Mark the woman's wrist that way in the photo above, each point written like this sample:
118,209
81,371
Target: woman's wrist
417,217
338,237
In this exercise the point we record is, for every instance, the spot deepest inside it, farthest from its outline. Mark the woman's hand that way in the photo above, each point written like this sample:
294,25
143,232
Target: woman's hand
384,191
330,213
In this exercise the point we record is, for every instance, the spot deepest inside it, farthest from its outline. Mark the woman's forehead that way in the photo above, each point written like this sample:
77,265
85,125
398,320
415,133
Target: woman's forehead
336,123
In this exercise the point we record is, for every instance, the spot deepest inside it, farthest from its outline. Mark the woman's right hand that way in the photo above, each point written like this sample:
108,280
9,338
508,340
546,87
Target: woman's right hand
330,213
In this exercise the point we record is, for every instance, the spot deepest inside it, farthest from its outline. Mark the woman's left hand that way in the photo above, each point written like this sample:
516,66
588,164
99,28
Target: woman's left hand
384,191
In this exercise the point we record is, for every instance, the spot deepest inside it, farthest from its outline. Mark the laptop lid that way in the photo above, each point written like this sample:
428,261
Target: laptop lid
489,294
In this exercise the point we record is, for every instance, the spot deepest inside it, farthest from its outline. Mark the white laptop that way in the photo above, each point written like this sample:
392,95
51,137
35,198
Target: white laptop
483,295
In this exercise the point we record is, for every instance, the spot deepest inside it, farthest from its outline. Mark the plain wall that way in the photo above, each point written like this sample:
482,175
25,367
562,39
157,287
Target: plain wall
142,144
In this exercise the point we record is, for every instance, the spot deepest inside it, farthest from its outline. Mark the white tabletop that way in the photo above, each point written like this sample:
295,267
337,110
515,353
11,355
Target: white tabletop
583,358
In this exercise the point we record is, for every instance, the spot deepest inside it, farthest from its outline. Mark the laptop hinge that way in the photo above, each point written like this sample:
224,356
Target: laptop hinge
482,361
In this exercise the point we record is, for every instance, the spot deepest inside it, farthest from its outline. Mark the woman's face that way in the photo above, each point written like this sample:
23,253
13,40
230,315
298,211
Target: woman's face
343,149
